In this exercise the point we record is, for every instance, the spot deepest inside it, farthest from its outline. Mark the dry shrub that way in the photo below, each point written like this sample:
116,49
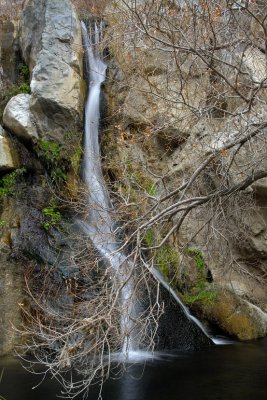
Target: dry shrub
94,7
10,8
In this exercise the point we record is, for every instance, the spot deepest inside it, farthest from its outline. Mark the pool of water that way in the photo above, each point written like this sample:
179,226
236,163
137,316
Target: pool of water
229,372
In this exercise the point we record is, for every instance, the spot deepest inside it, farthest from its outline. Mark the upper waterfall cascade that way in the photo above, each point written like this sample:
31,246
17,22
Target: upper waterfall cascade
99,225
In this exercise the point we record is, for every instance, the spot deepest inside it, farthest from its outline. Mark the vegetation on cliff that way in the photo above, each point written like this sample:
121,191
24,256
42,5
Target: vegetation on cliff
184,156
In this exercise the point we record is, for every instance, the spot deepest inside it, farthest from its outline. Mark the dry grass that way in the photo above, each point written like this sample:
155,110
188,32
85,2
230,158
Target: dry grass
94,7
10,8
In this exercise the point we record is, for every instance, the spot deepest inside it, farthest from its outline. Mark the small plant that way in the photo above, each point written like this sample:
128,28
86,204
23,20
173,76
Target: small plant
2,224
58,174
198,257
140,180
24,72
149,238
51,153
24,88
167,260
8,181
200,291
52,216
76,159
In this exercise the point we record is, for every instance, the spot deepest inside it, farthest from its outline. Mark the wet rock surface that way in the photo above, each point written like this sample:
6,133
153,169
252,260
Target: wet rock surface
176,331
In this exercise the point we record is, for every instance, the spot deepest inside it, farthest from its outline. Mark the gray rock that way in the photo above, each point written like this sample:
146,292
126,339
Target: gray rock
176,331
8,154
57,62
11,299
260,187
32,25
17,117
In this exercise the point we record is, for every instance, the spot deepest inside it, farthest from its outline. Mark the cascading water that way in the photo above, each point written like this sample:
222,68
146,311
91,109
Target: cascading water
99,224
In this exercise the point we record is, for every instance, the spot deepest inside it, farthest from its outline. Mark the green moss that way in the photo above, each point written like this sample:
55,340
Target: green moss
201,290
167,260
207,296
149,238
8,181
234,316
62,160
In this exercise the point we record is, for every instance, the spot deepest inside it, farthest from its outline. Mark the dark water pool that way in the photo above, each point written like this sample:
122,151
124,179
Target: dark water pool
231,372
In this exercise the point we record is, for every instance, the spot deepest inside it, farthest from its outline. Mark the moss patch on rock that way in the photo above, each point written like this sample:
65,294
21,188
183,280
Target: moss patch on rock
234,316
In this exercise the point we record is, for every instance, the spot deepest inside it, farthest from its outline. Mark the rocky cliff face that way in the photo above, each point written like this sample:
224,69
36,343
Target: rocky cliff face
154,138
41,55
51,47
169,111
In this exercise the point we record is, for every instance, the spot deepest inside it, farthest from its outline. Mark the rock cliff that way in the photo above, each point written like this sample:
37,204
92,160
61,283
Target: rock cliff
169,107
42,77
172,105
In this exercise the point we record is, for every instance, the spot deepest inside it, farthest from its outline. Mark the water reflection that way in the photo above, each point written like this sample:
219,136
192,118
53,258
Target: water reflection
235,372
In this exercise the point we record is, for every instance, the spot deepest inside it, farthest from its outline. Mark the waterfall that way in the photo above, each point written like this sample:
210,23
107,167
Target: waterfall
99,225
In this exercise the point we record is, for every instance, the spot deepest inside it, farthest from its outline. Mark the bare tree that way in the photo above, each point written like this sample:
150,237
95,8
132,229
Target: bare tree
215,87
73,323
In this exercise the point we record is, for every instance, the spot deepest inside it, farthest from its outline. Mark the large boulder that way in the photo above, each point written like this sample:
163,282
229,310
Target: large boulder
32,26
17,117
56,102
8,154
237,316
51,45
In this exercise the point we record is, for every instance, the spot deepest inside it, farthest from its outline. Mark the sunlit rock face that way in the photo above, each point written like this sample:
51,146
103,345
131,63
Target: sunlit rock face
52,47
8,154
18,118
57,75
32,26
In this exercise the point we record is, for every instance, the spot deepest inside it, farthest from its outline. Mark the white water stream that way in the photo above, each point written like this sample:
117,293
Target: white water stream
99,223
